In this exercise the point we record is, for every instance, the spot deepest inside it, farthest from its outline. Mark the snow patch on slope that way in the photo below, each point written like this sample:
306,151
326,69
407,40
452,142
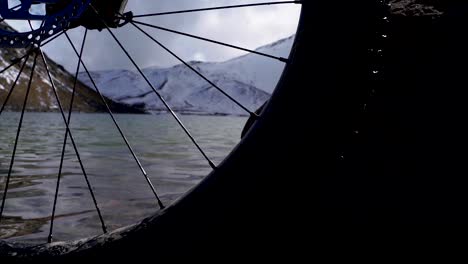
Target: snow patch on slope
250,79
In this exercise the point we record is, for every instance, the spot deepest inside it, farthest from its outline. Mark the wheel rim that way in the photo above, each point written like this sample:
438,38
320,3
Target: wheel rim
47,250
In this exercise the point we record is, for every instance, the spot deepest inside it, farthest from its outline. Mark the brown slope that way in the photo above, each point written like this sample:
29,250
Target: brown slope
42,98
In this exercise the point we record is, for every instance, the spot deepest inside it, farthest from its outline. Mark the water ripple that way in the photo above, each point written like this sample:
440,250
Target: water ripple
172,162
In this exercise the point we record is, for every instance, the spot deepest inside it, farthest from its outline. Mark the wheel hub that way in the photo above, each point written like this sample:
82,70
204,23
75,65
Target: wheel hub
58,15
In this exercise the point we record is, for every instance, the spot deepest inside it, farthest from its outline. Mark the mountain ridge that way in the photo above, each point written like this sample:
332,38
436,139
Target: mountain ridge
249,78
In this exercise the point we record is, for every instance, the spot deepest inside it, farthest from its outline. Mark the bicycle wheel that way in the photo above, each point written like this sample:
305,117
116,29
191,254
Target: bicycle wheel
57,20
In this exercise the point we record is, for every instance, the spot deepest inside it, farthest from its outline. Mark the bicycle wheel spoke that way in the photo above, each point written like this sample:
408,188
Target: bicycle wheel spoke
212,41
16,60
62,158
196,72
168,107
14,85
122,134
217,8
18,132
54,89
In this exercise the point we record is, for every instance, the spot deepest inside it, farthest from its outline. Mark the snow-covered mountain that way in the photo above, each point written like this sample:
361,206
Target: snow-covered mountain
250,79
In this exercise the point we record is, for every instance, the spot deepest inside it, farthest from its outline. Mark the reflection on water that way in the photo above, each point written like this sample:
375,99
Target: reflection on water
172,162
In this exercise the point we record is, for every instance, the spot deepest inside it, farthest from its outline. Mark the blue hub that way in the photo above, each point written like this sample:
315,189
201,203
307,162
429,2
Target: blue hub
59,15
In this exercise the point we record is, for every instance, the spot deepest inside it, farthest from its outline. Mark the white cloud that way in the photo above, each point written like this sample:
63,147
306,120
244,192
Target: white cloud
247,27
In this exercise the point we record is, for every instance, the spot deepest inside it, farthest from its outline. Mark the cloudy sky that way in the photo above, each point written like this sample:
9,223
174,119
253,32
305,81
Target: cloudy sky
247,27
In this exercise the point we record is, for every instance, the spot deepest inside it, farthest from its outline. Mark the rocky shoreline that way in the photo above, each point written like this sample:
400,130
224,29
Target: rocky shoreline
414,8
424,8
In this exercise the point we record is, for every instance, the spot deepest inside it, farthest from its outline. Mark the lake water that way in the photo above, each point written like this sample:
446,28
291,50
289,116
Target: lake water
170,159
